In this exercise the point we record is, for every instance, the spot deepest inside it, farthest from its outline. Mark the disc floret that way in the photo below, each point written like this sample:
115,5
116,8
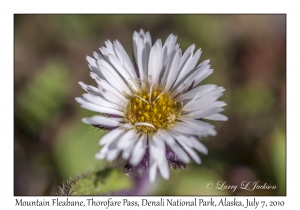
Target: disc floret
152,109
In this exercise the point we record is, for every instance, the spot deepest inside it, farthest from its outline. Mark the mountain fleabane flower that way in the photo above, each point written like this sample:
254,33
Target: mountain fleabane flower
152,107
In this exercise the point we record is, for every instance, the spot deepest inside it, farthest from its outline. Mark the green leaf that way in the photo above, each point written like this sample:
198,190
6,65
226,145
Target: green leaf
100,182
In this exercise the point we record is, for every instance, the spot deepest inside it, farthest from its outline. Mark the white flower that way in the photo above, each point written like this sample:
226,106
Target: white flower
153,103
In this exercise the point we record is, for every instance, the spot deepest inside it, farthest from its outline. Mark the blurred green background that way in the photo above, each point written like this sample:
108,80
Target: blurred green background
247,52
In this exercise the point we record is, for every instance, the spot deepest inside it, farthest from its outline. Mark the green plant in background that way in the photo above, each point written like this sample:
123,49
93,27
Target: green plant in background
74,148
100,182
277,153
43,97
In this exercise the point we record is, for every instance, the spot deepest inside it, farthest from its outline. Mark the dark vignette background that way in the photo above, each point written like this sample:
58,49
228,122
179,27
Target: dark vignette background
247,52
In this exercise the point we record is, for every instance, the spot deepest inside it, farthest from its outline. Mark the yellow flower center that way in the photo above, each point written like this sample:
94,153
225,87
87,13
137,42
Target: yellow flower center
152,109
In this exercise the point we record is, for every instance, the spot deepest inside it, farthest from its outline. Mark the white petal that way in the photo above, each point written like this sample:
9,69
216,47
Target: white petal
175,147
188,68
124,58
157,158
112,76
168,48
193,142
99,100
111,135
94,67
195,59
142,32
142,45
101,120
109,49
203,63
127,152
139,150
182,139
123,71
152,169
146,54
97,108
152,161
199,73
97,55
198,145
204,103
100,155
196,77
106,86
160,155
108,95
104,151
183,69
90,89
135,41
204,113
147,40
196,127
217,116
184,63
183,128
167,66
155,62
112,154
126,138
142,59
208,94
191,152
111,138
171,77
186,56
119,144
199,78
198,91
144,124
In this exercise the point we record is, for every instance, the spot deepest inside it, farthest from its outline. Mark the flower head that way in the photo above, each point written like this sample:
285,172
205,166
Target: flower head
153,107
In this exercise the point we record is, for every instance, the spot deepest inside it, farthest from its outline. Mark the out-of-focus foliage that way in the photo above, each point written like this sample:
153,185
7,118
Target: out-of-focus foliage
278,157
76,147
43,97
99,182
247,53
